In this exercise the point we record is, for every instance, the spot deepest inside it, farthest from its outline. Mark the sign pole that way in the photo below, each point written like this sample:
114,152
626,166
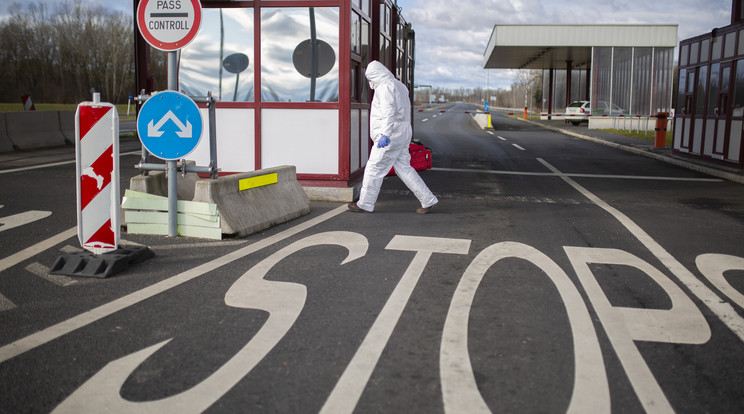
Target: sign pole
172,165
170,26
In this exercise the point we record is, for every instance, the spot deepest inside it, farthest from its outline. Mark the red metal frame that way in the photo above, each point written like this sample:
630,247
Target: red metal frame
344,175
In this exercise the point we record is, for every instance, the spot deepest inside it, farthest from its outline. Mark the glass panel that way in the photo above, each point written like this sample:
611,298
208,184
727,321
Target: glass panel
717,44
694,51
365,7
365,58
704,50
293,67
621,81
664,71
739,90
642,81
701,90
601,71
725,79
683,55
681,88
728,50
741,41
353,82
690,81
384,50
713,88
356,33
218,60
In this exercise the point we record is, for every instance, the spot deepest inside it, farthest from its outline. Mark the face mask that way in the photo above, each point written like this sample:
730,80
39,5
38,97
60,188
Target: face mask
371,86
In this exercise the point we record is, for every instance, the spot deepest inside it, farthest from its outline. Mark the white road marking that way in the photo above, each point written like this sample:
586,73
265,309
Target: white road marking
460,392
20,219
5,303
501,138
425,119
544,174
350,386
43,272
42,337
55,164
725,312
283,301
518,147
490,132
713,266
32,251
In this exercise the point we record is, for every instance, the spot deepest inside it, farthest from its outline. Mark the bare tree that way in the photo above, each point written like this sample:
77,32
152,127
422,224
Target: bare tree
59,55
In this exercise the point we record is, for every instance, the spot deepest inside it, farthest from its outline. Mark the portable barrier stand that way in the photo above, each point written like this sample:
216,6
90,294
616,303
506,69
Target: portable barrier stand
97,156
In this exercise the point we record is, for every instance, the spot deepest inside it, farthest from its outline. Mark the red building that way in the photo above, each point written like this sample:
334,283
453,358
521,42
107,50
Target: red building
289,79
710,95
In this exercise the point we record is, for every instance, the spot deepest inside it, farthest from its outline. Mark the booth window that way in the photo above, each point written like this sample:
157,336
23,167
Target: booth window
299,54
713,89
739,90
219,59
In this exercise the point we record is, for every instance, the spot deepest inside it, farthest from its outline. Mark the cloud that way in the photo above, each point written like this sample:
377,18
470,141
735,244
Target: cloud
451,36
451,39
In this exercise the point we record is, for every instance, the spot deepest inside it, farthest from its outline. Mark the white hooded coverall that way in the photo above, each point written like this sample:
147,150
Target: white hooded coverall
390,115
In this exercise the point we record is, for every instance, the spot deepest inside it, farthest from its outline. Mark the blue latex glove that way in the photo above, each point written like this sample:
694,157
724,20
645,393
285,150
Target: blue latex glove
383,142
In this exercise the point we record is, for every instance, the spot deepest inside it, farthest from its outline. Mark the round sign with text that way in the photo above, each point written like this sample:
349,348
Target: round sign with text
169,25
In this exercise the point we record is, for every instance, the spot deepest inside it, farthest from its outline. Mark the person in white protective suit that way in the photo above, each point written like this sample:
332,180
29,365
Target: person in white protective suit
390,129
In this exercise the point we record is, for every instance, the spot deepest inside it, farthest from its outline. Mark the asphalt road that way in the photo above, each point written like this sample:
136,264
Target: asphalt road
555,274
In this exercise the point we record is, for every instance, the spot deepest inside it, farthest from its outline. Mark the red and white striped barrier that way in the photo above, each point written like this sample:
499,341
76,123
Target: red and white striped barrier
28,104
563,115
97,154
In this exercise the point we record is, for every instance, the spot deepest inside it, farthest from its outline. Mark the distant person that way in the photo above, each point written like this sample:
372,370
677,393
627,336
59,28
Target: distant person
390,129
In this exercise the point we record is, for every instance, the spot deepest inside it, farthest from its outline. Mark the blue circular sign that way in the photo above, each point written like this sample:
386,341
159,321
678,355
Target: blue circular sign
169,125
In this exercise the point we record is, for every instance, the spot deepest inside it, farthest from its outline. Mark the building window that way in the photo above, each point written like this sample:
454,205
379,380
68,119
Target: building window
701,90
299,54
728,50
683,55
219,59
739,90
356,33
713,88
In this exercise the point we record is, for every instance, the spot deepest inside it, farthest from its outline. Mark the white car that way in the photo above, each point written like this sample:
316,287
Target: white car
577,112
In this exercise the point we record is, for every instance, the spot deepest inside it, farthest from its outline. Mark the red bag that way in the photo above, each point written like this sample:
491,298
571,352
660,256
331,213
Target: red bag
420,158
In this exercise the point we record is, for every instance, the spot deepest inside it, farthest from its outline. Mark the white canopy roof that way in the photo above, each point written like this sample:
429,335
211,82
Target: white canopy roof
545,46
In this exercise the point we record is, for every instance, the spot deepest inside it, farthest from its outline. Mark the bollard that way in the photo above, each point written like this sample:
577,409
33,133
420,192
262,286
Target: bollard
660,130
525,112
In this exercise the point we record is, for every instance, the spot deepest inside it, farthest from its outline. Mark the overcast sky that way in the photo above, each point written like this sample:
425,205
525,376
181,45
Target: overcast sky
451,35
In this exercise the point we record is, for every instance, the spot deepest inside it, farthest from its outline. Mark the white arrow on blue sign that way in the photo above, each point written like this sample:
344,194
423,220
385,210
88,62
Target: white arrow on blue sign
169,125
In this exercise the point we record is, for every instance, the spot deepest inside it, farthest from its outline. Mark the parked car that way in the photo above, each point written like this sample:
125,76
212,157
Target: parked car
603,108
577,112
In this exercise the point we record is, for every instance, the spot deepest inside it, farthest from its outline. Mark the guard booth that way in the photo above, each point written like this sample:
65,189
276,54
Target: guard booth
289,81
710,94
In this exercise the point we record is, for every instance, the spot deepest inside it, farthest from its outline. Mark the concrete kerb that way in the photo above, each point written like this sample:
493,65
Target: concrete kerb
650,154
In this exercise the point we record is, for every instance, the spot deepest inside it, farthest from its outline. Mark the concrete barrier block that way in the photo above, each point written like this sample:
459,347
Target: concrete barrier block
67,125
5,144
156,182
34,129
245,209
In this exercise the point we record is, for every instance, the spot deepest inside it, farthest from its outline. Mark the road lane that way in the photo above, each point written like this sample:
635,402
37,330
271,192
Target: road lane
568,295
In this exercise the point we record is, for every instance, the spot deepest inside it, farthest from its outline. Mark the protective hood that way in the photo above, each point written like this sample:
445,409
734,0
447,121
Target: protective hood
377,73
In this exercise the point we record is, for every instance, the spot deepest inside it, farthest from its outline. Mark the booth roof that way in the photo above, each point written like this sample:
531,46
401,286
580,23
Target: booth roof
535,46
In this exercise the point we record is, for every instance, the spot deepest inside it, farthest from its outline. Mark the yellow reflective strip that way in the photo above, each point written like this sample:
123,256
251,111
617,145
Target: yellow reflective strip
259,181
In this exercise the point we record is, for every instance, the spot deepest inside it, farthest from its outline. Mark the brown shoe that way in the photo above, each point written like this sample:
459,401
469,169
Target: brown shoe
355,208
424,210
